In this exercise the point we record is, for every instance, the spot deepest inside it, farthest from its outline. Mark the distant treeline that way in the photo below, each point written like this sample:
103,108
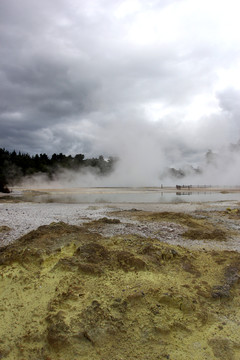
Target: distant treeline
15,165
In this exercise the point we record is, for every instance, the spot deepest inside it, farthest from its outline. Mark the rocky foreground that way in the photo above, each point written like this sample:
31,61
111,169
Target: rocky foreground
72,292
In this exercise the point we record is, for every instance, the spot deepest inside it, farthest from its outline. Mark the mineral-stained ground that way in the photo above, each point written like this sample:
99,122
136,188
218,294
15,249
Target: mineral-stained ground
72,292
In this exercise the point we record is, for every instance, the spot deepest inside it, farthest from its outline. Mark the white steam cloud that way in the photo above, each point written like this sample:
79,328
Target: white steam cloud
146,151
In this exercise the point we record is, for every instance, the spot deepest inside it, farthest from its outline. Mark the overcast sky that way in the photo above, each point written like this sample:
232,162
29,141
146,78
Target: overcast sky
119,77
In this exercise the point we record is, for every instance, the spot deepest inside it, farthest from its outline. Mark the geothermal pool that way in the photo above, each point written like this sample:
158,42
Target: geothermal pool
127,195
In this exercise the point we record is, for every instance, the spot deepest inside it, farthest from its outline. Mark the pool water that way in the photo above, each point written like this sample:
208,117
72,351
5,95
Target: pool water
134,196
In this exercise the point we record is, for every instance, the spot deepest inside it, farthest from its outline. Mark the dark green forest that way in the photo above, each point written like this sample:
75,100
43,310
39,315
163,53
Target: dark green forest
14,166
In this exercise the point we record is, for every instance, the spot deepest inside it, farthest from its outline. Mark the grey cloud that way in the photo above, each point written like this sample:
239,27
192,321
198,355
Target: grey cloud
72,80
229,100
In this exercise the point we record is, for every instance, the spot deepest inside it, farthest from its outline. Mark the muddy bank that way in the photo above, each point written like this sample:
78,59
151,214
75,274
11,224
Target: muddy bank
94,292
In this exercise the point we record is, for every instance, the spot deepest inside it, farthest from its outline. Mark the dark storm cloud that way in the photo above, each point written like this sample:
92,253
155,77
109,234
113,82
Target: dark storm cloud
90,77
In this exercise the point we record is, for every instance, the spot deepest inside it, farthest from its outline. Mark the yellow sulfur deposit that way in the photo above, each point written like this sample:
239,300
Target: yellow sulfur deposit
69,293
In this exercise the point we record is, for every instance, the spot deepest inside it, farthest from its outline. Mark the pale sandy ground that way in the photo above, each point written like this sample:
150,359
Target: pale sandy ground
23,217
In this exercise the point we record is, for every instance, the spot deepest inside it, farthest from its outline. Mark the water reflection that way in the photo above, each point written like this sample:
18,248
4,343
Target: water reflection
131,196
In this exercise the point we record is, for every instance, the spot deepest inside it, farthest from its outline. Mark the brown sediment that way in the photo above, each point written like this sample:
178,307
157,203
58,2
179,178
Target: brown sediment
4,228
103,221
198,227
205,234
67,292
176,217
